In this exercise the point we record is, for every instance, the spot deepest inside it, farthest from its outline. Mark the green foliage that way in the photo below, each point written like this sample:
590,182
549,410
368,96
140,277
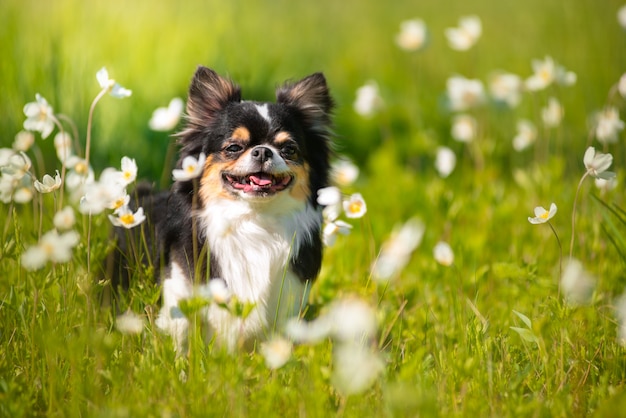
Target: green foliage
490,335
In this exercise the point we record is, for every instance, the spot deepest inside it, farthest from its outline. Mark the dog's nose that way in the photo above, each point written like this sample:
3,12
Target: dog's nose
262,154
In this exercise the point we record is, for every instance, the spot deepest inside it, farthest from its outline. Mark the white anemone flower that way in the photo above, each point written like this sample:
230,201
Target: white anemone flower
48,183
597,164
344,172
53,247
129,171
608,125
129,323
368,100
413,35
543,215
445,161
506,88
526,135
39,116
166,118
552,114
334,228
396,251
23,141
356,366
355,206
466,35
126,218
64,219
443,253
276,352
464,94
113,88
330,197
464,128
577,284
621,16
191,168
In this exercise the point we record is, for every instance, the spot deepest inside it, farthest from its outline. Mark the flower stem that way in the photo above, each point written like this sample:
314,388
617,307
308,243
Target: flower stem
580,183
89,123
560,249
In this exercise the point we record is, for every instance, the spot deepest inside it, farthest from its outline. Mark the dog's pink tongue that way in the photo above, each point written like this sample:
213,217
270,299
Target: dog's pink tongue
261,179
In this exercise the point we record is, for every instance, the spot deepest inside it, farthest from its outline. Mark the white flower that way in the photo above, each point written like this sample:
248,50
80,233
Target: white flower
445,161
23,192
129,323
526,135
344,172
576,283
330,198
620,305
5,156
413,35
597,163
166,118
63,146
191,168
621,84
547,72
23,141
53,247
608,125
464,128
397,250
7,185
39,116
334,228
621,16
356,367
126,218
368,100
276,352
466,34
48,183
464,93
352,319
552,114
129,171
18,165
355,206
218,291
110,85
107,193
542,215
506,88
64,219
606,185
443,253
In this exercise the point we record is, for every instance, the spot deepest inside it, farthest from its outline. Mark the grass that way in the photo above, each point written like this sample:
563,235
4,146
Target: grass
445,333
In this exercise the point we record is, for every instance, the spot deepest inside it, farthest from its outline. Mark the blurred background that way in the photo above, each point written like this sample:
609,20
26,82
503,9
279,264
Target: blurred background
55,48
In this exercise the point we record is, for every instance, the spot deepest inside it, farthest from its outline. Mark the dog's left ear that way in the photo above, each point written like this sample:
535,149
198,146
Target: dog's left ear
310,96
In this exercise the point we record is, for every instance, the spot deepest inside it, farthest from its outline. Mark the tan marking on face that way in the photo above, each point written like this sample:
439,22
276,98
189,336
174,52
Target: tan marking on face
300,189
211,186
241,134
281,137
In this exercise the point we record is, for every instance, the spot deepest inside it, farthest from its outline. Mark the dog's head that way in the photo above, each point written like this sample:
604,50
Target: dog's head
258,151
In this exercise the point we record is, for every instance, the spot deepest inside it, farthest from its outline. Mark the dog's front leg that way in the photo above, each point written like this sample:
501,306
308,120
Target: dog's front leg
172,320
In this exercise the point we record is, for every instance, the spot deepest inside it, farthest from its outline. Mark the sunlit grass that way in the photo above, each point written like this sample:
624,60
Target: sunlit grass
489,333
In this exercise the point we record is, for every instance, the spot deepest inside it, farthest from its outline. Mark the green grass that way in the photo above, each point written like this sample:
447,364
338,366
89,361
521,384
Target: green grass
445,332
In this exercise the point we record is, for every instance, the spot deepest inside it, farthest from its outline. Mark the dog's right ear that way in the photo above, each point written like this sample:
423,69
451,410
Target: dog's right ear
208,94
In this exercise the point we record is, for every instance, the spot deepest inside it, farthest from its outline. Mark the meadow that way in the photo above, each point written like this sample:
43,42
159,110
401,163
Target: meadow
486,307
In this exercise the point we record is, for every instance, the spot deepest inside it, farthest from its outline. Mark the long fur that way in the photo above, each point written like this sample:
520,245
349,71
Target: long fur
263,240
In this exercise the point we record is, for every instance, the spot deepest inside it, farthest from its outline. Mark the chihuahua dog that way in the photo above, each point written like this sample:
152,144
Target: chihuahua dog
250,218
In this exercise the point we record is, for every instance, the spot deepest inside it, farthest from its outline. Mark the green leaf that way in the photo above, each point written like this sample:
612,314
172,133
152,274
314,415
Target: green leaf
524,319
526,334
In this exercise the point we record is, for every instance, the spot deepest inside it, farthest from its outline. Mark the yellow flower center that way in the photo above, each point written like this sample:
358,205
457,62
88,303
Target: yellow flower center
81,168
191,168
127,219
118,203
545,215
355,207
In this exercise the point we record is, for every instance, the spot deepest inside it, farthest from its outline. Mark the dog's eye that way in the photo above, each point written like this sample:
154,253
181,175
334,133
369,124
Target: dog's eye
233,148
290,151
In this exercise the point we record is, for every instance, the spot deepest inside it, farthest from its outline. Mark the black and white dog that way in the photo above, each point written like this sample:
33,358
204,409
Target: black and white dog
251,218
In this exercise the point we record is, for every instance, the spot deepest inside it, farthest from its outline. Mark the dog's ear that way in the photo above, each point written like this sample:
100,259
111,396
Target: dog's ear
310,96
208,94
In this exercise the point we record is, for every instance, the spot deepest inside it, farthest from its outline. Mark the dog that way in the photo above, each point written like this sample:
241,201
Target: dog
251,218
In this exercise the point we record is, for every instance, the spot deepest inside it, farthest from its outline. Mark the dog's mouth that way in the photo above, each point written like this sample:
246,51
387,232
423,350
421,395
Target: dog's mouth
260,184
